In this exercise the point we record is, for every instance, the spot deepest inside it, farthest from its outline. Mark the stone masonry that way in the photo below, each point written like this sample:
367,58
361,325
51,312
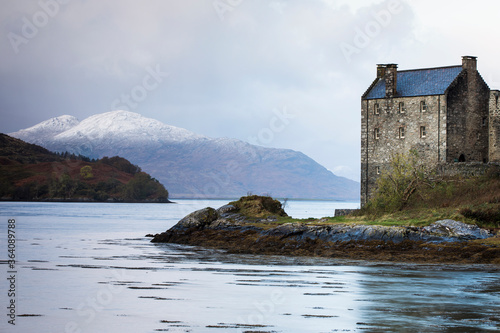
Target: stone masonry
448,114
494,123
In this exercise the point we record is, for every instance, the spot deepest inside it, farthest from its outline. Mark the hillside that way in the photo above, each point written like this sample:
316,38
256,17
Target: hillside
192,165
32,173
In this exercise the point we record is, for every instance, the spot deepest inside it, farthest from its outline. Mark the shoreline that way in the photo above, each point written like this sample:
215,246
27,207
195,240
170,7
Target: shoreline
416,252
445,242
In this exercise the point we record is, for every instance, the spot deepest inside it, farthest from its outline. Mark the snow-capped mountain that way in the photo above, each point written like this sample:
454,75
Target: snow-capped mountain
188,164
47,129
119,124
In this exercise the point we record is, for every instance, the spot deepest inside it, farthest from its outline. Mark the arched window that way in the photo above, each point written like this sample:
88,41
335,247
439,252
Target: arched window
461,158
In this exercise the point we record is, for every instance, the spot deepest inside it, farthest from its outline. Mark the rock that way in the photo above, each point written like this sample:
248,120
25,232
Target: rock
198,219
456,229
226,209
287,230
231,218
232,229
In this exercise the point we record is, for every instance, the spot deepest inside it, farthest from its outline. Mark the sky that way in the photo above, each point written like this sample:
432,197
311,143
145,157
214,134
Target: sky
283,74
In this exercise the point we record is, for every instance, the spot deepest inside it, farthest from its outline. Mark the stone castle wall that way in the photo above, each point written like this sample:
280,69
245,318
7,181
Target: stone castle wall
467,115
494,127
398,125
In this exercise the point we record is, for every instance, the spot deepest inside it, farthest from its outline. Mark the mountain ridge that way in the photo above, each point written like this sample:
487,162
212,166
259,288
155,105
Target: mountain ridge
191,165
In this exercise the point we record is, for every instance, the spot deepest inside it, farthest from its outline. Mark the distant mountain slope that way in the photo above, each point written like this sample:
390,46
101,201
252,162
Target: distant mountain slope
47,129
191,165
29,172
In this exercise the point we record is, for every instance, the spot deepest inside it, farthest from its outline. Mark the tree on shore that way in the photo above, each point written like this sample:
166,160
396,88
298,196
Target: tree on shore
405,174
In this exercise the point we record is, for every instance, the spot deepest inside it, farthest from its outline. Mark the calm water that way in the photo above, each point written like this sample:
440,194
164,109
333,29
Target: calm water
89,268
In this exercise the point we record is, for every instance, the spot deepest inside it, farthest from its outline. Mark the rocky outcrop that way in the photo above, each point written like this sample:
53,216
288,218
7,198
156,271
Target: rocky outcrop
249,225
227,218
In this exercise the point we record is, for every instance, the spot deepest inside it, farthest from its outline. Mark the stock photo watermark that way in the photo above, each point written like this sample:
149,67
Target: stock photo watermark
219,180
262,309
278,122
151,81
222,7
93,305
11,271
30,25
365,35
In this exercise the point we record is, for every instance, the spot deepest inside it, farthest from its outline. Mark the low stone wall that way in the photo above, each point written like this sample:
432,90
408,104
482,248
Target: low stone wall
469,169
343,212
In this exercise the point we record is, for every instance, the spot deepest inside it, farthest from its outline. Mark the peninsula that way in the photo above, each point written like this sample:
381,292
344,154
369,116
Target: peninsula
259,225
29,172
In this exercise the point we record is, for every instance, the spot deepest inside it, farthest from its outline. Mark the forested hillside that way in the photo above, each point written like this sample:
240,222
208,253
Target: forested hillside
31,173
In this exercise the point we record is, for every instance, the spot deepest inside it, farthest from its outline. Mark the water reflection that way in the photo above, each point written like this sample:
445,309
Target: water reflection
429,301
82,273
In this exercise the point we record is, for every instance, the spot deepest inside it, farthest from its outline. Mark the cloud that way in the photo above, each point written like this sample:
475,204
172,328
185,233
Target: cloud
229,71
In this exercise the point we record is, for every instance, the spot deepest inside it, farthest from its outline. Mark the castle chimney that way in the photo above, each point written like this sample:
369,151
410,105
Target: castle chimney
391,80
469,63
380,71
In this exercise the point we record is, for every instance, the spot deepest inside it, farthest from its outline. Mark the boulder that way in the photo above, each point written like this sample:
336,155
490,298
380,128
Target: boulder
198,219
457,230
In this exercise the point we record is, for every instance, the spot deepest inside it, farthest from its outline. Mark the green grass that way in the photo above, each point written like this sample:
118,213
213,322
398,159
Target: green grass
415,217
474,200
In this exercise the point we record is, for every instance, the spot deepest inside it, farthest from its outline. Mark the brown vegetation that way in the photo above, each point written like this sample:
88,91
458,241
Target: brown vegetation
29,172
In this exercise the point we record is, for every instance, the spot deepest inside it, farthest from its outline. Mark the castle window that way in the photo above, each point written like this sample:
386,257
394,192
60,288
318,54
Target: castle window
484,121
401,133
377,170
376,133
423,132
423,106
376,109
401,107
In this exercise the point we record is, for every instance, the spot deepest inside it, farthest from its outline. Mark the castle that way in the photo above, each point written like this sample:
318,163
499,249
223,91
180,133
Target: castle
447,114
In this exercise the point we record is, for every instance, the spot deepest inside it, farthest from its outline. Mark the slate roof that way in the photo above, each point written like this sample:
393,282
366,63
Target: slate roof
418,82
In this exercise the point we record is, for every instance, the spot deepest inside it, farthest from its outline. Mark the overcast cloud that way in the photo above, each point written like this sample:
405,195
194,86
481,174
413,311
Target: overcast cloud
227,68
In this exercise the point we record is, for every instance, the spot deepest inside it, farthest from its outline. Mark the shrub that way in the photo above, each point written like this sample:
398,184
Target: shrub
405,175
